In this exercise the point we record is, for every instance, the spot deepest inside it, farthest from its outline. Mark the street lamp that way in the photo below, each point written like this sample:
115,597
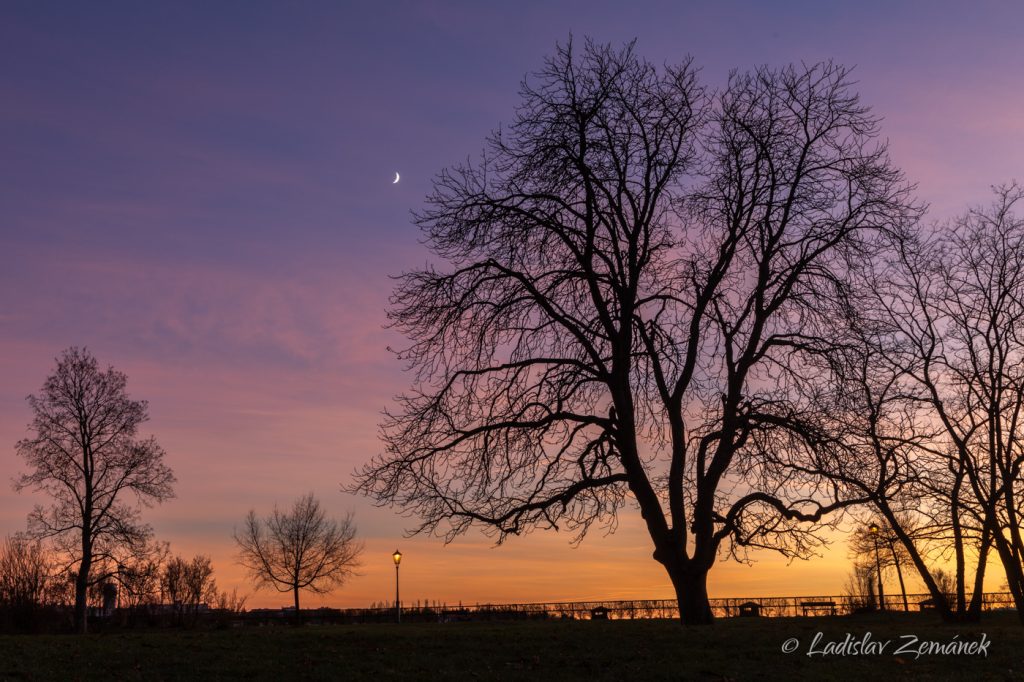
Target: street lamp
397,556
873,529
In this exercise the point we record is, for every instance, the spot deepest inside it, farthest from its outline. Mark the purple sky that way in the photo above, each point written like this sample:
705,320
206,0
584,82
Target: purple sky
201,194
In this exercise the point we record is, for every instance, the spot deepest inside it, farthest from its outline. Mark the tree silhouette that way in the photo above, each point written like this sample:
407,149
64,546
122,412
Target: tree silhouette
884,429
301,549
85,455
861,587
139,576
943,322
25,579
187,585
635,271
883,549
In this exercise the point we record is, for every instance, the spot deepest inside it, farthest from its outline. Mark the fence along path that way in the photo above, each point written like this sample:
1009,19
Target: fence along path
619,609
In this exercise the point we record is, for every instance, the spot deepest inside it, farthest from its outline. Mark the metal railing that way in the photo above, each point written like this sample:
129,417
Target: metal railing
616,609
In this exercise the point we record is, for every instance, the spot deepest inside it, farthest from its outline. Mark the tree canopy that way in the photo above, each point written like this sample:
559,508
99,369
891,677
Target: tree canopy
630,281
299,549
85,455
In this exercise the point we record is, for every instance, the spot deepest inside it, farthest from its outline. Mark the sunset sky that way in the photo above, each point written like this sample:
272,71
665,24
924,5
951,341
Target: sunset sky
202,196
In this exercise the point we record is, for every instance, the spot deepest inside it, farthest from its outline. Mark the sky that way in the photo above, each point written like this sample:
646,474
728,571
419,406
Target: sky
200,193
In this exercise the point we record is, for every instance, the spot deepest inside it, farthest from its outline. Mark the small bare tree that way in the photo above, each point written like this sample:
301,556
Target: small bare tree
946,583
187,585
25,578
859,591
883,432
301,549
139,578
230,602
84,454
883,549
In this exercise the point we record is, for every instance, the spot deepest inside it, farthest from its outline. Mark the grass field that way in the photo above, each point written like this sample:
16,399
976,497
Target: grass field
739,649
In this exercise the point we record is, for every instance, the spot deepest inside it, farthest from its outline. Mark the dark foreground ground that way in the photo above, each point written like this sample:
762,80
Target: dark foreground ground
739,649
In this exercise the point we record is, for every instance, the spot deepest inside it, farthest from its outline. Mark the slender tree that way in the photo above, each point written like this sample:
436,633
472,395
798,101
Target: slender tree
982,400
636,270
930,386
300,549
964,354
84,454
883,547
885,437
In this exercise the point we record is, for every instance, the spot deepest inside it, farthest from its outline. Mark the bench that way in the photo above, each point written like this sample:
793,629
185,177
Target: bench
926,605
817,606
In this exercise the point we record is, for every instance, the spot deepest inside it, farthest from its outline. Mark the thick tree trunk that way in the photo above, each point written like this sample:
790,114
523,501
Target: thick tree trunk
298,614
1014,573
81,599
82,586
1016,583
1016,554
974,609
690,584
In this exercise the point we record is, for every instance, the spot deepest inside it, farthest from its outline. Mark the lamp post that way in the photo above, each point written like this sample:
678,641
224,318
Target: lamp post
873,529
397,556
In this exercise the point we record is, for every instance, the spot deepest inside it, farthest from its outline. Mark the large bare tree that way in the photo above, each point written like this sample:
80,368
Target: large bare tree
300,549
84,454
632,275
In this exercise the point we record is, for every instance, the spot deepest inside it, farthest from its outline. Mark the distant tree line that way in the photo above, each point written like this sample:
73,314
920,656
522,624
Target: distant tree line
36,593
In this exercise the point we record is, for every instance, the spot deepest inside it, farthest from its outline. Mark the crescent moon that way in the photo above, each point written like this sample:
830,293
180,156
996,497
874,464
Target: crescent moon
397,178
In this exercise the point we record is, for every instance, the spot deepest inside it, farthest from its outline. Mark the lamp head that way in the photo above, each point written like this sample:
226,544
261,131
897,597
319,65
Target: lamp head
397,556
873,528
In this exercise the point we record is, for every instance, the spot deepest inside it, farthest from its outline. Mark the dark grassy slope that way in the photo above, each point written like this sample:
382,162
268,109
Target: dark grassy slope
731,649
